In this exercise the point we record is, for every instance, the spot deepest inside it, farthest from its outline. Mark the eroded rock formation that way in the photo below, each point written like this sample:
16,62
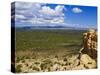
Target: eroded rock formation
90,44
88,53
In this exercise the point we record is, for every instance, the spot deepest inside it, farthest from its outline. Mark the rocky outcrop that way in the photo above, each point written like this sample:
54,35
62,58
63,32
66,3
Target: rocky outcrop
90,44
88,53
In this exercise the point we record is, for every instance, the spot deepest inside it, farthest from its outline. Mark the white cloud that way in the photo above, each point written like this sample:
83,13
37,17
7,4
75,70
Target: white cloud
46,21
47,10
58,20
36,20
59,8
50,15
23,5
58,11
27,8
20,16
77,10
39,13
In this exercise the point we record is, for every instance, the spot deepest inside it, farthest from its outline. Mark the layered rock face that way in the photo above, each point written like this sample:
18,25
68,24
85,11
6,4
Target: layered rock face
88,53
90,44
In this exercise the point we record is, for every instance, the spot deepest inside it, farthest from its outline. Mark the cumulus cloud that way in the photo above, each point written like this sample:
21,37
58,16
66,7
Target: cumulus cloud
52,12
77,10
59,8
39,13
52,15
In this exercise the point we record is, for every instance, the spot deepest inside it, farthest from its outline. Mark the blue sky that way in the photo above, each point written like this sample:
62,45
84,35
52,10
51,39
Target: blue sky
39,14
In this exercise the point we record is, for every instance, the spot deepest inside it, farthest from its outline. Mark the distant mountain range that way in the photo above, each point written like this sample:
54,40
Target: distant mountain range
53,27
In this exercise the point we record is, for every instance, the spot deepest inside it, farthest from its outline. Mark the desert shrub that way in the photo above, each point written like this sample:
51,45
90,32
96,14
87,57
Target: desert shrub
49,69
27,64
56,56
18,68
30,67
23,61
65,59
57,62
36,62
43,66
66,63
33,57
27,57
47,61
46,65
18,59
35,68
23,57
